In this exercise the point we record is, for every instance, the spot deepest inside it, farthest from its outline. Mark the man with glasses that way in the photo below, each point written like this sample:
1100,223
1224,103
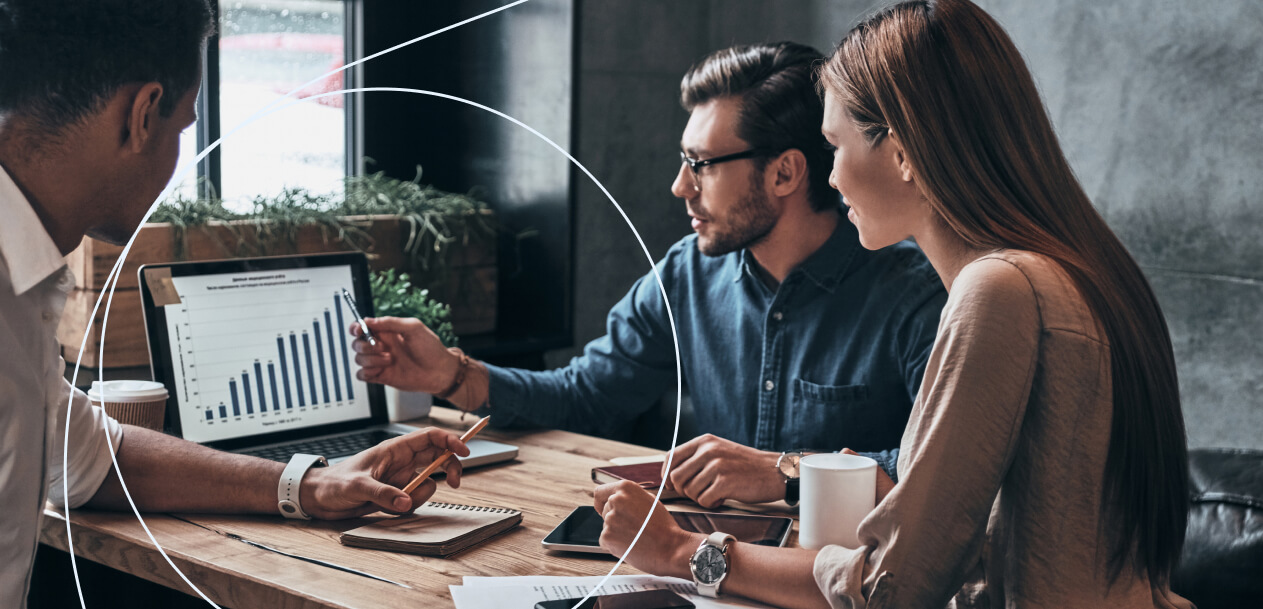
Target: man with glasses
792,336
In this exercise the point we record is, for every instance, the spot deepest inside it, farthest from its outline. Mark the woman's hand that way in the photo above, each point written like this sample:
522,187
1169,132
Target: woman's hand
663,549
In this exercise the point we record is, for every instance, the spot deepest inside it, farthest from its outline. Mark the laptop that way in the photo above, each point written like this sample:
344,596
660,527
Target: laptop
256,357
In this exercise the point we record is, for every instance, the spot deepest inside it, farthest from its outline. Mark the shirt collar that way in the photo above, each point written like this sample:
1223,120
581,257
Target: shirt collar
27,248
825,267
832,261
744,259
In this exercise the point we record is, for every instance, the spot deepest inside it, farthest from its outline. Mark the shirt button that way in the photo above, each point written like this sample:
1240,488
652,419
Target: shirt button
769,385
777,316
48,315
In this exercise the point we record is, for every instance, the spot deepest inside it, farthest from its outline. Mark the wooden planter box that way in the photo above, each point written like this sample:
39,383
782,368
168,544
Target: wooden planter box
468,284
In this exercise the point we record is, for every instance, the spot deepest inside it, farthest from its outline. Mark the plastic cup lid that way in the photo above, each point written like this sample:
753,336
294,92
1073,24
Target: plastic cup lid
127,391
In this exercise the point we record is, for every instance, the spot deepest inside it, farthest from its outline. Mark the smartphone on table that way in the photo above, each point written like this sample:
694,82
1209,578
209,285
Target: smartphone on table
581,530
645,599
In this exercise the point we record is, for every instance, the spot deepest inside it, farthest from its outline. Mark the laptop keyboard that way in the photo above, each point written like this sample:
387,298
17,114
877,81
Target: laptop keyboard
330,448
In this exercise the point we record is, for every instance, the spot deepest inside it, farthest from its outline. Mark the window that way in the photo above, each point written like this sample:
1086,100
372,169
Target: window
265,49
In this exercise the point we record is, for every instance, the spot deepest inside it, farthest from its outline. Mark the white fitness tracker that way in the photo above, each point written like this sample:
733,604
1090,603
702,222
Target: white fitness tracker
291,478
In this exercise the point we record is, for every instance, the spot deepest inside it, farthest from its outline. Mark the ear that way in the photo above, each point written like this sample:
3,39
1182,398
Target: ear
142,117
900,157
788,172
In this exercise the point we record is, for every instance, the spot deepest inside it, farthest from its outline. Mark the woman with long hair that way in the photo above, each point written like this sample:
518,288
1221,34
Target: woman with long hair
1045,462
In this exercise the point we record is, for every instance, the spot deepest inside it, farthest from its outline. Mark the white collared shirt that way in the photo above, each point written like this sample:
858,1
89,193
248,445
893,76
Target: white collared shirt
34,395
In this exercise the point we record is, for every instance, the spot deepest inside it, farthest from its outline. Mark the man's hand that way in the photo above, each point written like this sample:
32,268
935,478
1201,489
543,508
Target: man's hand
663,549
408,355
884,483
373,479
709,470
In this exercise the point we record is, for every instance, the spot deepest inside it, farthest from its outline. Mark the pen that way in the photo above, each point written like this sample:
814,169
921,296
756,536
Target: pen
350,302
425,473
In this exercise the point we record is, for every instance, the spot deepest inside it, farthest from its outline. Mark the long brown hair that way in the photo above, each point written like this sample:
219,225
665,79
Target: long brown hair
945,77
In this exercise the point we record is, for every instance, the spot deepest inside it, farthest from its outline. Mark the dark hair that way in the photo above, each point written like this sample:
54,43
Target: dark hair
60,60
780,109
947,79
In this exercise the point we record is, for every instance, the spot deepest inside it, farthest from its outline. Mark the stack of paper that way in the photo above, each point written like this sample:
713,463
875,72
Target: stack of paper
524,592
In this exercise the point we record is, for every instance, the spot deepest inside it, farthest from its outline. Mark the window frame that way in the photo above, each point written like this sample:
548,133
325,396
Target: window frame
209,128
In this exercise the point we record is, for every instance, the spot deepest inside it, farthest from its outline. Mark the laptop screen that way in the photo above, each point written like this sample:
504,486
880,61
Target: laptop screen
257,348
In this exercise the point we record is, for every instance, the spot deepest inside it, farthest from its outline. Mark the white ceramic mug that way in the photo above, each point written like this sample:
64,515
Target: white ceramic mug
407,405
835,493
140,403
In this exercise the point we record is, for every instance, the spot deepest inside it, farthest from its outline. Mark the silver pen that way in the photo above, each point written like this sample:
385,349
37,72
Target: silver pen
350,302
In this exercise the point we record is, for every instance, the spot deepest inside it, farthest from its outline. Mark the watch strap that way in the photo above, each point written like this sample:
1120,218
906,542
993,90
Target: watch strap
291,478
720,540
791,482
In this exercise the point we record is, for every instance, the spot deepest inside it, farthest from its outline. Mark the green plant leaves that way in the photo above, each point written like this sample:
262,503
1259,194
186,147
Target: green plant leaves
395,296
436,218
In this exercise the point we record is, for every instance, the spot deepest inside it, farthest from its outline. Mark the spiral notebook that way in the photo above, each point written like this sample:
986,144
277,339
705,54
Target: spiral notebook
434,529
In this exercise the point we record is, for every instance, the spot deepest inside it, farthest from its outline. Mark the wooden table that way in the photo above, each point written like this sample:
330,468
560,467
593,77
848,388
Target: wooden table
550,477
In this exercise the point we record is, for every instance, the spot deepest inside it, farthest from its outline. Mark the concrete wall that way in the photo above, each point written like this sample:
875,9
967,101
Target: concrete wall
1158,103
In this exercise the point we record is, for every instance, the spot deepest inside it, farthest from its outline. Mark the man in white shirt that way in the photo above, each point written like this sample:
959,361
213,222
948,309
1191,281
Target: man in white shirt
91,110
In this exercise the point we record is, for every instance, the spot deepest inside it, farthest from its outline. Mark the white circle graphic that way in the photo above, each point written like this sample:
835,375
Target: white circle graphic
276,106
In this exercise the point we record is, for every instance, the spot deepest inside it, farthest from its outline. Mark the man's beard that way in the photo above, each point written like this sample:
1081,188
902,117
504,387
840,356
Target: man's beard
746,224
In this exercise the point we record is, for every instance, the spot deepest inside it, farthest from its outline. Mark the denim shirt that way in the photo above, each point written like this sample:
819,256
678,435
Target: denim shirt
831,359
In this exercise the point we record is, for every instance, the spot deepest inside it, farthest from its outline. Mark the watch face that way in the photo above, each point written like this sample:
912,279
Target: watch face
789,464
709,565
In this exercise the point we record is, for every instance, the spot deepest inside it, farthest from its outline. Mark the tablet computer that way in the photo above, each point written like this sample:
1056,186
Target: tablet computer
581,530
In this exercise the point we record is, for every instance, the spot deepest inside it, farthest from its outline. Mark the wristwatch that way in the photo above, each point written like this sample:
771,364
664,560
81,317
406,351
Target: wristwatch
709,563
787,465
287,491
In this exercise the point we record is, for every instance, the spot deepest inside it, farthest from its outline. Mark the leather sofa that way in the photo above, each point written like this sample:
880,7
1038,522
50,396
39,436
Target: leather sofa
1222,563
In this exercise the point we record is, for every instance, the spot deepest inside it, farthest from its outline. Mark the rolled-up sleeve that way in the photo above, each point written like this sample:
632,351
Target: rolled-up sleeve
88,445
924,539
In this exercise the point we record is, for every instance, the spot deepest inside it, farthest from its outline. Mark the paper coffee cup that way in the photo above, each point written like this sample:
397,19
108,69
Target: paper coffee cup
140,403
835,493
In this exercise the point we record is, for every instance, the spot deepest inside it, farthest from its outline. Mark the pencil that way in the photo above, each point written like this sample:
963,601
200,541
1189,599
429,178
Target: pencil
433,467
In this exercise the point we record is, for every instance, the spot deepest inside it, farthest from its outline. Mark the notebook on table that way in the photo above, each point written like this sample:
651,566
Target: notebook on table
434,529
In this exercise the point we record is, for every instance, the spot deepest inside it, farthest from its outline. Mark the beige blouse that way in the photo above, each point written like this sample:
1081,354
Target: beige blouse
1001,465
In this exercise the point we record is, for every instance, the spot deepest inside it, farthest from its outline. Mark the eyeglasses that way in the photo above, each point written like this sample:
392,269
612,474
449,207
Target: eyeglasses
696,165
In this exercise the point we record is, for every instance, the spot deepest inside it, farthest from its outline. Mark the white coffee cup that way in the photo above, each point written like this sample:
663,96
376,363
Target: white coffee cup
140,403
407,405
835,493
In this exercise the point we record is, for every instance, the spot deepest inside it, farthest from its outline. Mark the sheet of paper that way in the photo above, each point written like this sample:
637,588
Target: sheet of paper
494,592
638,460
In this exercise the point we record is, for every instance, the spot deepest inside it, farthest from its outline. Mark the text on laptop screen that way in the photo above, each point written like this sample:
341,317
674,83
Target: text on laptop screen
262,352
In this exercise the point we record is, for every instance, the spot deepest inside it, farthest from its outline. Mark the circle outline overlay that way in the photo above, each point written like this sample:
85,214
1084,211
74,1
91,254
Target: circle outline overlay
112,280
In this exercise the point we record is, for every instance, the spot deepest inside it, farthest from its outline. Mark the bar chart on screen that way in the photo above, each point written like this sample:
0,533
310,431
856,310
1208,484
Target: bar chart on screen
263,351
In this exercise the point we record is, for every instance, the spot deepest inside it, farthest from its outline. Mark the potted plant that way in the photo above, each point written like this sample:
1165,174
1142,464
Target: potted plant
446,241
395,296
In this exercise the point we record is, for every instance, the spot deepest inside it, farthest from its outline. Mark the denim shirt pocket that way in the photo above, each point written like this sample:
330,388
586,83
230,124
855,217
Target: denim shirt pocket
828,417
